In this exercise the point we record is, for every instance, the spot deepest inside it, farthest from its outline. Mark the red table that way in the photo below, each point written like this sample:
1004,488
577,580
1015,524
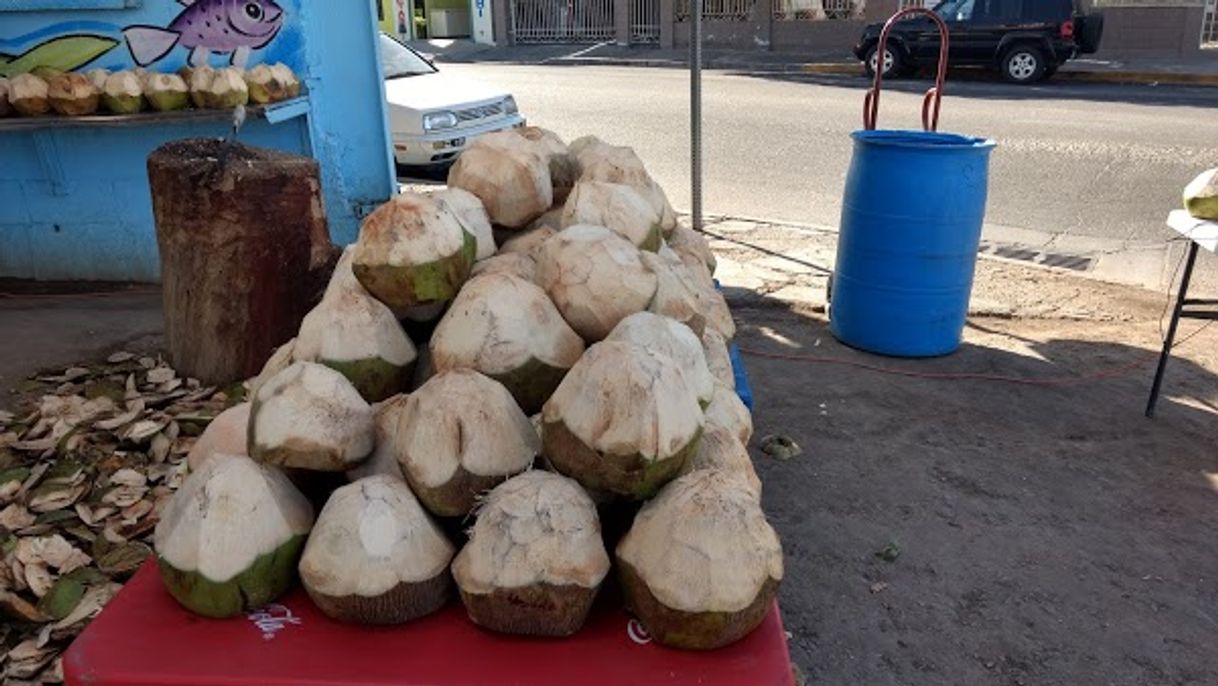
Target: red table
144,637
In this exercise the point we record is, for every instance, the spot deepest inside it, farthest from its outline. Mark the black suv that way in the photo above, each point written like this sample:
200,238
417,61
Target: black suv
1027,40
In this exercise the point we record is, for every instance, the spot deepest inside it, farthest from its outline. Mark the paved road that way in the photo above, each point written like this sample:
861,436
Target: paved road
1083,159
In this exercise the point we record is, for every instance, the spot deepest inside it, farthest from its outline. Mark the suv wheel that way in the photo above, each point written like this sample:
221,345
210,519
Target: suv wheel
892,62
1024,64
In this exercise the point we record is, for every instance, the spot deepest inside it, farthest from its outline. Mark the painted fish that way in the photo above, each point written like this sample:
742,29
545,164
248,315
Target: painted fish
207,26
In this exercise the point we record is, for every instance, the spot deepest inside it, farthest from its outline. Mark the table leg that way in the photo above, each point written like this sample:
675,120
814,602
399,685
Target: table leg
1171,330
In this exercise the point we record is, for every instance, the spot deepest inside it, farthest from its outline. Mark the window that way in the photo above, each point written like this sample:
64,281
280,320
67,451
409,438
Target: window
955,10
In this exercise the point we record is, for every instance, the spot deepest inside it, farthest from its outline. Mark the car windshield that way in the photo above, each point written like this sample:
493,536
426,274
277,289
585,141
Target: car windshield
955,10
400,61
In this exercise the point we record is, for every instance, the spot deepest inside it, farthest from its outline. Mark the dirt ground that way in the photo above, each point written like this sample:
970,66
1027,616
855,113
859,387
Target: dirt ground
1044,534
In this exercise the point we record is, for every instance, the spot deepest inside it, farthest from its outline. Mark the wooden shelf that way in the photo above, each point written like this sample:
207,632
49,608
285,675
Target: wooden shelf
280,111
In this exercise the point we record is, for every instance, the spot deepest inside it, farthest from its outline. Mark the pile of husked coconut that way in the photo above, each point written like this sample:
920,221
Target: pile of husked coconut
576,368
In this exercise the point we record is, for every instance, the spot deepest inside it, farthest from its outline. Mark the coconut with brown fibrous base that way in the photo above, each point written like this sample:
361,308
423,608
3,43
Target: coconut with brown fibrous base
600,161
718,358
122,93
689,243
228,541
375,557
28,95
166,92
310,417
412,251
617,207
98,77
199,79
227,434
73,95
271,83
471,215
458,436
623,420
677,297
506,328
595,278
358,336
729,411
664,336
720,448
701,566
219,89
535,558
520,265
562,163
508,175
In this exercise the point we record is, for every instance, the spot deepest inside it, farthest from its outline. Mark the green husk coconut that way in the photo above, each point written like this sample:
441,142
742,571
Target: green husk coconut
98,78
617,207
310,417
375,557
520,265
718,359
226,90
228,541
167,92
459,435
506,328
689,243
29,95
200,80
73,95
6,108
720,448
563,165
471,215
623,420
701,566
508,175
535,558
412,251
663,336
227,434
677,295
265,86
595,277
1201,196
285,76
122,93
728,411
600,161
357,335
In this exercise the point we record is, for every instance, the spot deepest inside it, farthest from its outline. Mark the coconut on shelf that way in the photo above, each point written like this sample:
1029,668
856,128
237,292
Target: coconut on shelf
375,557
228,541
166,92
535,558
73,95
1201,196
29,95
122,93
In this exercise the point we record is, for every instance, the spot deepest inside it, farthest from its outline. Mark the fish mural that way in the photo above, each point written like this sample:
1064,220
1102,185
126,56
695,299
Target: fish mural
206,26
65,53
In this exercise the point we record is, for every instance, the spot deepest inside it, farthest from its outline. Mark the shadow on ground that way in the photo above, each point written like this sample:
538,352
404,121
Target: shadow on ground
1047,534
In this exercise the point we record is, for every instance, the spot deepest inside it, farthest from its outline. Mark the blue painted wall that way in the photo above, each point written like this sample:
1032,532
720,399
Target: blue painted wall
74,200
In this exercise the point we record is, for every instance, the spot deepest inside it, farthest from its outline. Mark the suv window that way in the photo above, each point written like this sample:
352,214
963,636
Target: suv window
955,10
1048,11
1002,10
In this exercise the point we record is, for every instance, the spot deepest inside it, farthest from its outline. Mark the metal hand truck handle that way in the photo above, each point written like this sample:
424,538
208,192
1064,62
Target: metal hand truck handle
934,96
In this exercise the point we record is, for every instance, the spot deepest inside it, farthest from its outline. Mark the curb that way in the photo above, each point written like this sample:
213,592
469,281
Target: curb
1076,75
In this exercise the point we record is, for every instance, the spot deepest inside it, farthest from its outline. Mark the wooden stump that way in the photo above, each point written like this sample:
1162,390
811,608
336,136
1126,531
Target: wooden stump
245,252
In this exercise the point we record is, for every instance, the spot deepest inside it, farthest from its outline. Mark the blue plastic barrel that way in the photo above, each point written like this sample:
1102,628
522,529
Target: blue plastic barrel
911,225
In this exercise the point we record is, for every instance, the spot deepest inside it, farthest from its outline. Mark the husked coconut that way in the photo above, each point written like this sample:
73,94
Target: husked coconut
73,95
529,242
687,242
701,566
228,541
375,557
600,161
219,89
721,449
516,264
288,78
122,93
727,410
718,359
310,417
595,277
357,335
167,92
563,165
265,85
1201,196
716,312
412,251
383,461
535,558
279,360
458,436
424,314
663,336
471,215
200,80
506,328
29,95
677,295
227,434
619,208
508,175
98,77
6,107
623,420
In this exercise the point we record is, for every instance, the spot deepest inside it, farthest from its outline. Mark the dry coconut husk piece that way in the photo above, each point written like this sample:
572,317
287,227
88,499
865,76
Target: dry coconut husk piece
623,421
508,175
229,540
458,436
663,336
310,417
357,335
471,214
620,208
701,565
413,251
720,448
595,278
227,434
506,328
535,558
727,410
375,556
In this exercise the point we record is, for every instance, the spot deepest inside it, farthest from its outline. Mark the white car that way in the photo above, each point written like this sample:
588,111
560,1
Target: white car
432,116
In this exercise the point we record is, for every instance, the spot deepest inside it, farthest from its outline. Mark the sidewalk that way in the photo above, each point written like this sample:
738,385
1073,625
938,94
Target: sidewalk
1201,70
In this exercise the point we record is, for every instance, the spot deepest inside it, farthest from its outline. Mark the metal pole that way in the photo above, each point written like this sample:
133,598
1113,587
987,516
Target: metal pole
1171,331
695,109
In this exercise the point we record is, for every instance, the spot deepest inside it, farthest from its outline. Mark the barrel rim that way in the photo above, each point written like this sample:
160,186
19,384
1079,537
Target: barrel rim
922,139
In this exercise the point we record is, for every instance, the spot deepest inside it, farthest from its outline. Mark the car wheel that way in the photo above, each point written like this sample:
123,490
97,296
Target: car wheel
892,62
1024,64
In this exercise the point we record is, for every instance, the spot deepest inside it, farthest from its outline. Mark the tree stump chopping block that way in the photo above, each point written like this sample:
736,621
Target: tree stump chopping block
245,252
